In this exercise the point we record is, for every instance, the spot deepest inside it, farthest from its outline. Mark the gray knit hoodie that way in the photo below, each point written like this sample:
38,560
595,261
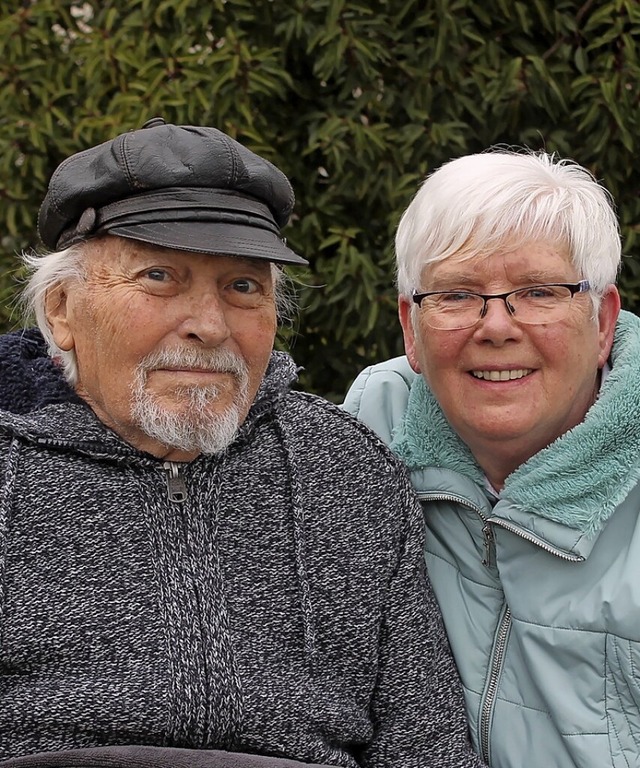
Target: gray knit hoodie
280,608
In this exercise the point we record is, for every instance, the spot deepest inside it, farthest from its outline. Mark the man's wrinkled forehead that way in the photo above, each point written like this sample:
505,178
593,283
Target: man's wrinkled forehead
110,253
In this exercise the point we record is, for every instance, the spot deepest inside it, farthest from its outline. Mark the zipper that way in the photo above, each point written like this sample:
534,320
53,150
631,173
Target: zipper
176,486
489,559
538,542
83,445
497,659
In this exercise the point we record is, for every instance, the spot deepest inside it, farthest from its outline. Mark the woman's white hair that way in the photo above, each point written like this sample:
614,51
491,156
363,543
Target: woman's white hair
51,270
504,198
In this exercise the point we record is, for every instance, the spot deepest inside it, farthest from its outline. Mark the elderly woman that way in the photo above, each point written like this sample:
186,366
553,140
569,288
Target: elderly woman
517,412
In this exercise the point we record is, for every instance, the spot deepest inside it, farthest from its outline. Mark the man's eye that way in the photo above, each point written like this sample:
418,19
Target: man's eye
158,275
245,285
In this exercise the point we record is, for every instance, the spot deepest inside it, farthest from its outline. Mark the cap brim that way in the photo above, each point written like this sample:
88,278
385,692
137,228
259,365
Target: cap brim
215,238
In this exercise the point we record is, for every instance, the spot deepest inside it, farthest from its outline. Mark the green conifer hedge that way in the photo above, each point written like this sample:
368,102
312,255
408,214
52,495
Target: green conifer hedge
356,100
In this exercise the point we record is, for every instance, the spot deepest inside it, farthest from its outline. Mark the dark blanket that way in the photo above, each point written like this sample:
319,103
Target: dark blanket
148,757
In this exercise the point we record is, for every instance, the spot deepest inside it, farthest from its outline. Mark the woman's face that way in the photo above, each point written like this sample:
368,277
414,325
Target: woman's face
510,389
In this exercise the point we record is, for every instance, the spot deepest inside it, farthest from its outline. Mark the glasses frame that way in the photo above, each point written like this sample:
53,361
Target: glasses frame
580,287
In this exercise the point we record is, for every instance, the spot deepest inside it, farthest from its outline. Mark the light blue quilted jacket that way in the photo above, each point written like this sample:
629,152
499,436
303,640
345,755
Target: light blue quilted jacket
541,594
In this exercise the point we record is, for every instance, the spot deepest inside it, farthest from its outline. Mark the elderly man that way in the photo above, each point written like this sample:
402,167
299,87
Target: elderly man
517,410
193,555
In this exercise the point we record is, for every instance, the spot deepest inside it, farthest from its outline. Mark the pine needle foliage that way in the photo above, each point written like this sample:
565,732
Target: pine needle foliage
356,101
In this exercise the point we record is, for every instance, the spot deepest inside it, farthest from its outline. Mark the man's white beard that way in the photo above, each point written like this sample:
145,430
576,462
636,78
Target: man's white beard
196,426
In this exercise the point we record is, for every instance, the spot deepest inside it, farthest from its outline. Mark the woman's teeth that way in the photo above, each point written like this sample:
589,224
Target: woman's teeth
518,373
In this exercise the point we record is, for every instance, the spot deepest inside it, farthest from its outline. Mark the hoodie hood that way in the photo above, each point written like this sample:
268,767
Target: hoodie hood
29,378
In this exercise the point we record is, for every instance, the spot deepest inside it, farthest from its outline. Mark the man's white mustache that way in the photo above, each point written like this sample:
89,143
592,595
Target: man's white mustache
215,360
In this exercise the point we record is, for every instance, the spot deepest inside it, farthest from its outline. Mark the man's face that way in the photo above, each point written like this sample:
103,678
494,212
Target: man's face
548,373
167,341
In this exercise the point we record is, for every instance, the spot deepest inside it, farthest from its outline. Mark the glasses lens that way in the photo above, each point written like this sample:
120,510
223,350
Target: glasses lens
540,304
451,311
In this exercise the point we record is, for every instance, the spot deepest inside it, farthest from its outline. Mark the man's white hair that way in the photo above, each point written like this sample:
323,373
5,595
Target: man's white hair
47,272
504,198
59,267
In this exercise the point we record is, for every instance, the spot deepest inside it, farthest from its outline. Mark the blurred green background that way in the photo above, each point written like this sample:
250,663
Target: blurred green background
355,101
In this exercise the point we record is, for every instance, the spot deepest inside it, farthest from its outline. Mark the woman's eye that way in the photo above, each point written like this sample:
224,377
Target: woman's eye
538,292
455,297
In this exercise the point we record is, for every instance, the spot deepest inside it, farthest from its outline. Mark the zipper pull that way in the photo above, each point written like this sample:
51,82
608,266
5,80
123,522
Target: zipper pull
489,558
176,488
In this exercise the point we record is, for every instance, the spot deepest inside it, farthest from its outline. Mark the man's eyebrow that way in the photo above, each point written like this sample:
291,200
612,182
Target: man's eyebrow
259,264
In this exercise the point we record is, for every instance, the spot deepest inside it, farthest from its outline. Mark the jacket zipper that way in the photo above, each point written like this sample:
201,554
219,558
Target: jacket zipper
500,643
176,486
487,534
497,659
538,542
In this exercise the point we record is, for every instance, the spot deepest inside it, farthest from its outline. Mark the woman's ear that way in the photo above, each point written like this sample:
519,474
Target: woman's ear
405,305
607,318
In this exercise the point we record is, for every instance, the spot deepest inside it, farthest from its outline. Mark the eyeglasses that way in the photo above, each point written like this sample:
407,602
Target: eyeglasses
535,305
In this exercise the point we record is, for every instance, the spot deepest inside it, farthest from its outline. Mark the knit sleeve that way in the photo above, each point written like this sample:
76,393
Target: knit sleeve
417,708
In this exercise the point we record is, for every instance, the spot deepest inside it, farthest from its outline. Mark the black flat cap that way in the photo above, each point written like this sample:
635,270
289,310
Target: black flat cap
180,186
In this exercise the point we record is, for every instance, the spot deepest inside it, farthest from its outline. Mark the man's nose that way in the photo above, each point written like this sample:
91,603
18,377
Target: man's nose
205,319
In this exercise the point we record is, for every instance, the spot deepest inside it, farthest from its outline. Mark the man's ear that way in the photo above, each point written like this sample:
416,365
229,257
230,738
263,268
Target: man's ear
56,308
405,306
607,318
